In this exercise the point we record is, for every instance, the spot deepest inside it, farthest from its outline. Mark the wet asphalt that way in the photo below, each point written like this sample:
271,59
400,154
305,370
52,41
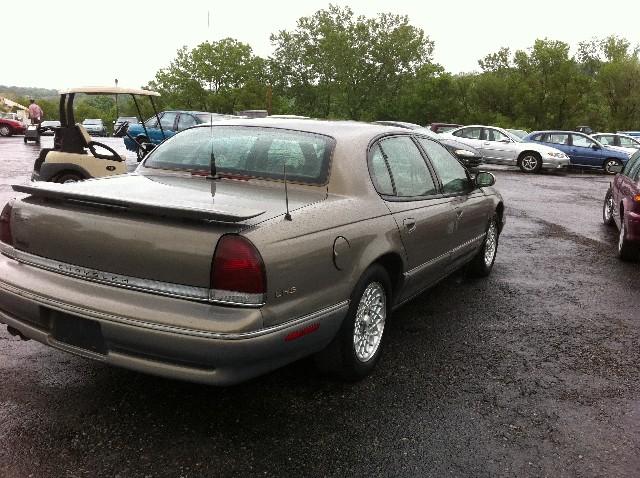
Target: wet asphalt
533,371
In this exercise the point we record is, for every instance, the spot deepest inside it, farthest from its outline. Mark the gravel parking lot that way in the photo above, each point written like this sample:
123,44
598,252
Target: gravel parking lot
531,372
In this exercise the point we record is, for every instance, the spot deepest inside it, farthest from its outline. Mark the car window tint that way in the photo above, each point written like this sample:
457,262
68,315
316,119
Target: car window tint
628,142
409,173
380,172
247,151
452,174
471,133
558,138
168,120
582,141
185,121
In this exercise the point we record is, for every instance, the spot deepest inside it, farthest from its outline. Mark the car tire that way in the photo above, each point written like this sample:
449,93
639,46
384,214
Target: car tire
5,130
25,140
140,152
530,163
482,264
356,348
626,250
608,163
607,209
68,178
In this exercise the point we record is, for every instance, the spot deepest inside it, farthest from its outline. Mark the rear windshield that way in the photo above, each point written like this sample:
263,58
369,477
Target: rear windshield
253,152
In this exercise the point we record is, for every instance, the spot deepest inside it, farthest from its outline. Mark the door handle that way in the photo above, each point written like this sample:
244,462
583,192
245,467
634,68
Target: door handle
410,224
487,143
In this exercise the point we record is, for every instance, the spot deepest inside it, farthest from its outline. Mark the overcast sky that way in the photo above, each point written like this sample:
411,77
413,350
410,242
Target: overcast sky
64,43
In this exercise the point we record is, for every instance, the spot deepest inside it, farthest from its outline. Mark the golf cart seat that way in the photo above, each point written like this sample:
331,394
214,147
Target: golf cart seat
91,144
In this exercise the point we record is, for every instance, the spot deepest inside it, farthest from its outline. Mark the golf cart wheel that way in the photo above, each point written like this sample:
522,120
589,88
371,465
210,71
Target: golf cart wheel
68,178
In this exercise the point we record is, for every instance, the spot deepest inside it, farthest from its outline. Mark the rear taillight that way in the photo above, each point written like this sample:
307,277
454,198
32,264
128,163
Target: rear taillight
636,198
237,272
5,224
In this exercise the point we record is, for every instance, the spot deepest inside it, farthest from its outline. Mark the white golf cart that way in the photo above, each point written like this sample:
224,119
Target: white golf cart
75,155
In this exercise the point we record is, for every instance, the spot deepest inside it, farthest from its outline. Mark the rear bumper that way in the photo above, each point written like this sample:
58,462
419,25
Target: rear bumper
187,340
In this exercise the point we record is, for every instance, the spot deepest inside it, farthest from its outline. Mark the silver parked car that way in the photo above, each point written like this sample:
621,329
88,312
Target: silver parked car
240,246
498,146
617,139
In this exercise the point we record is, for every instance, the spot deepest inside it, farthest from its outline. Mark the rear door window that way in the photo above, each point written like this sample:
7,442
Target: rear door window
558,138
408,172
607,139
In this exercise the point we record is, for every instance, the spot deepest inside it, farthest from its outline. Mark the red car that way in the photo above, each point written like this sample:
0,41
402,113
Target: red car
622,208
9,127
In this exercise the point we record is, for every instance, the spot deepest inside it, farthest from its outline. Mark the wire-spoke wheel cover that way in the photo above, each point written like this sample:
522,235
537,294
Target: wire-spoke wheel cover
369,323
491,244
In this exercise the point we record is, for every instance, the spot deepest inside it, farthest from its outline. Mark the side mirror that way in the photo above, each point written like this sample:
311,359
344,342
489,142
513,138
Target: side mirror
595,147
616,168
485,179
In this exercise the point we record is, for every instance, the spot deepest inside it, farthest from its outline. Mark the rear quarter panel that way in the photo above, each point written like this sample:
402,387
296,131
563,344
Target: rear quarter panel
301,274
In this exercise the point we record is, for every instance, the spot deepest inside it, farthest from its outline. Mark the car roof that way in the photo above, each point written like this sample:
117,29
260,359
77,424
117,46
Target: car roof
331,128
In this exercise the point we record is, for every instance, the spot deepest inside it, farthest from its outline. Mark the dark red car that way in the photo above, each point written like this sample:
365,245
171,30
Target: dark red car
622,208
9,127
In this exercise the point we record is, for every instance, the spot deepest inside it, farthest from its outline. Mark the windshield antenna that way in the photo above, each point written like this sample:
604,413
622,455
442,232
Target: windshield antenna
287,216
213,174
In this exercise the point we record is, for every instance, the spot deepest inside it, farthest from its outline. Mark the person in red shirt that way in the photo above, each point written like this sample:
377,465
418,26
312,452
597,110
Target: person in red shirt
35,112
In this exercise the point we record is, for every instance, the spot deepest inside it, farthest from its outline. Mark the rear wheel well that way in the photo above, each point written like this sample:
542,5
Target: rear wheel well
392,263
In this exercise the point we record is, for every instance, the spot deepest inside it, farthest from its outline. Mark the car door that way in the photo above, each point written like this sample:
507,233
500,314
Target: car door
426,220
472,208
586,151
625,184
499,147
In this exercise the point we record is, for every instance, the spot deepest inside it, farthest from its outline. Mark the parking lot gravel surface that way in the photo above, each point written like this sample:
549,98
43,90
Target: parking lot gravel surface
531,372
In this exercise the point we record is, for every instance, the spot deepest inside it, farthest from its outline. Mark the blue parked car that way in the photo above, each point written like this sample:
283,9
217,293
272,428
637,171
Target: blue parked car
583,151
171,121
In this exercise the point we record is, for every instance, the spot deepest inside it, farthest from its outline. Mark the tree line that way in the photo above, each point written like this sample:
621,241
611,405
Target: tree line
337,65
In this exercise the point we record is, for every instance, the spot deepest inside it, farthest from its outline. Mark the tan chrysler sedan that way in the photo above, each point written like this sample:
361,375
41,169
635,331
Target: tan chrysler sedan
238,247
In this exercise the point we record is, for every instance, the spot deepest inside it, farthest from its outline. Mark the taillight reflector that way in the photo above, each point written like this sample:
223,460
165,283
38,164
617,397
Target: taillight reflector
296,334
5,224
237,272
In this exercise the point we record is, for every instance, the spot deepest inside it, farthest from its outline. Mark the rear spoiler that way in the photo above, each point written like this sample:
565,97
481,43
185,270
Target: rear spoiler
215,214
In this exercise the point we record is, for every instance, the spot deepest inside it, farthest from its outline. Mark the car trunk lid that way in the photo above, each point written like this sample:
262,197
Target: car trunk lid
162,228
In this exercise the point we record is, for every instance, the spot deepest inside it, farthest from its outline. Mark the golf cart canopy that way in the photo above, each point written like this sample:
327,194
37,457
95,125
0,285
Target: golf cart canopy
109,90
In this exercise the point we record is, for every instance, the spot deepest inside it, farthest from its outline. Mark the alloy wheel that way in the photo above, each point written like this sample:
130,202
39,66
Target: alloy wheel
529,163
370,319
609,164
5,131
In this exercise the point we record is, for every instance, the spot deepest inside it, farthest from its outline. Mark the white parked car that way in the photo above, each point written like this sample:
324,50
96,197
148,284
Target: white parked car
618,140
498,146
